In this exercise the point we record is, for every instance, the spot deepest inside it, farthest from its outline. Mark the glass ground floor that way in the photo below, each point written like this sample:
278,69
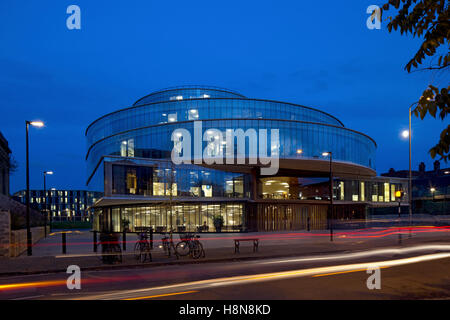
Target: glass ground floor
236,216
163,217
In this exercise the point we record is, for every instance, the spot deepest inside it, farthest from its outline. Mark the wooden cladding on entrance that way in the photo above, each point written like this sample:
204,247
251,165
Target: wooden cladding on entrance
291,217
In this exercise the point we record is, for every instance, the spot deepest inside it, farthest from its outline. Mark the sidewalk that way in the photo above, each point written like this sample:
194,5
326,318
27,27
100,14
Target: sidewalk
47,253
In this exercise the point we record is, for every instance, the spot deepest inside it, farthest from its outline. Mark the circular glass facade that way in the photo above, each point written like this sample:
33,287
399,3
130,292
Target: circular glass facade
144,130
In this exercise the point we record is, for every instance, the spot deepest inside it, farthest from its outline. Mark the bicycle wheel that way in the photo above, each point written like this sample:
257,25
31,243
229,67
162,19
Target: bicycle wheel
99,252
107,254
137,250
116,254
197,249
165,245
182,248
145,252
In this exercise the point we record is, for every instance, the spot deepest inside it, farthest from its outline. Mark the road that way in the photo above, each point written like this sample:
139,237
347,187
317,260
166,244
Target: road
414,272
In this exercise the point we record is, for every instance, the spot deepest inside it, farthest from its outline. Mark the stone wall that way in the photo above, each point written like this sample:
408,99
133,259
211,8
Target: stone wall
18,243
5,238
14,242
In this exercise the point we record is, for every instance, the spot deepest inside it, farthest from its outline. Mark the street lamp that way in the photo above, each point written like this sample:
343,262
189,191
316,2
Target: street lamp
38,124
330,154
46,203
406,134
433,190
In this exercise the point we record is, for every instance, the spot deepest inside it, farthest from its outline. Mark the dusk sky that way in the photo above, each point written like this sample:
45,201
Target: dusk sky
315,53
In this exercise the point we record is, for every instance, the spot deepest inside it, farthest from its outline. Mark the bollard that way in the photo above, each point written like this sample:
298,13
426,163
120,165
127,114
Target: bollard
95,241
64,242
308,222
124,240
151,238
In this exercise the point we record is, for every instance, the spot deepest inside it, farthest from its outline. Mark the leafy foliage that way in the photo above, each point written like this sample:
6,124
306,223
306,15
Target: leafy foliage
12,164
218,221
429,19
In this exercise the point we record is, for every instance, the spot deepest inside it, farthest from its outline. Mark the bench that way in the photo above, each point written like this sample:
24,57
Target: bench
238,241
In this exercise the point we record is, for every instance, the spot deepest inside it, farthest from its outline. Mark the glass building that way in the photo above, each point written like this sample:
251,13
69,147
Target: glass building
62,205
130,157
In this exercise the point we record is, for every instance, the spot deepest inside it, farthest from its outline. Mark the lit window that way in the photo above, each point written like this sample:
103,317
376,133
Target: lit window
193,114
131,181
206,191
127,148
362,191
195,191
386,192
174,190
172,117
158,188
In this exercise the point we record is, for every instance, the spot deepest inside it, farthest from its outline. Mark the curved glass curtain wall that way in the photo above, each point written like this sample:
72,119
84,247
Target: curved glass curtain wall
155,178
178,93
313,138
201,109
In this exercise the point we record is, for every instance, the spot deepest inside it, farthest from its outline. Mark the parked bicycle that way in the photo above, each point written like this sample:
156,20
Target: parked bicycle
142,248
190,245
167,244
110,248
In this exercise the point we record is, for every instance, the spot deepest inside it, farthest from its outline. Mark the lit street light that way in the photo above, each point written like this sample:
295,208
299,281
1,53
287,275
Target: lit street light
29,240
46,204
405,134
433,190
330,154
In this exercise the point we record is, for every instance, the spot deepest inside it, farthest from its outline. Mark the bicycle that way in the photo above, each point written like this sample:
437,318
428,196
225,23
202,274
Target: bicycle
190,245
111,251
167,244
142,248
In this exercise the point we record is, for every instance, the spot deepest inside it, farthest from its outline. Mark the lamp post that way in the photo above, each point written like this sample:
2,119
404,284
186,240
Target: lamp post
29,240
410,172
46,202
330,154
407,134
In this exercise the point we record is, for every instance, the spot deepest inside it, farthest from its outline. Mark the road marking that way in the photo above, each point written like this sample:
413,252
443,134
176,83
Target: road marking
29,297
341,272
161,295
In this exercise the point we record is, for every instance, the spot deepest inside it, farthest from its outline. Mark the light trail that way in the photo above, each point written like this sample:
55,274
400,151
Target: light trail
366,233
247,279
364,254
157,275
162,295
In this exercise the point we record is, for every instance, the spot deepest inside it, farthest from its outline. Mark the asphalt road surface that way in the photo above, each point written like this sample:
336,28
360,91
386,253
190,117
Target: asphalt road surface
416,272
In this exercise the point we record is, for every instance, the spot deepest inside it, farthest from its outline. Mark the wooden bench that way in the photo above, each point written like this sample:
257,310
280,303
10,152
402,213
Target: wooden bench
238,241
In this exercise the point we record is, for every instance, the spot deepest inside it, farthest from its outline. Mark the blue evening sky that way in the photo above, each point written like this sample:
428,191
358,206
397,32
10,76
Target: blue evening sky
315,53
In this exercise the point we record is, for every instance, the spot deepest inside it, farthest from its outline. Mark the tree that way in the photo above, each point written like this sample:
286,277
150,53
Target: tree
12,164
430,20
